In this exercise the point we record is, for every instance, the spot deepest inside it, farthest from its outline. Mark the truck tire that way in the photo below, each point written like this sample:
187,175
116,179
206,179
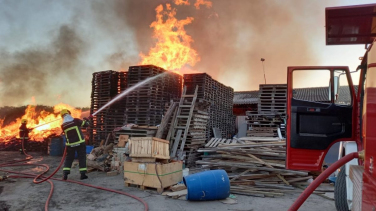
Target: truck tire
340,191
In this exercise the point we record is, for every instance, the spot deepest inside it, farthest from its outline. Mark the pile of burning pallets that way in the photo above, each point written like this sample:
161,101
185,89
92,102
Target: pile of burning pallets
33,146
220,98
146,104
271,113
105,86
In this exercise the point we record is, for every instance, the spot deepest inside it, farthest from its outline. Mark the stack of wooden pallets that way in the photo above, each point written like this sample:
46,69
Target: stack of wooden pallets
145,105
271,113
105,86
220,98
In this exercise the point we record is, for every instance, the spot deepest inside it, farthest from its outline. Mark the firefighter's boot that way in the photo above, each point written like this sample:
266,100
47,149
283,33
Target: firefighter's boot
65,176
83,176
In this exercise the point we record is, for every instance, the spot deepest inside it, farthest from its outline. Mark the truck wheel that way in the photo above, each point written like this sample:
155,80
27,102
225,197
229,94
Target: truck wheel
340,191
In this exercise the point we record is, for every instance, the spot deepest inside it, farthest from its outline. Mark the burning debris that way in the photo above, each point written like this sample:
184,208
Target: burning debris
37,120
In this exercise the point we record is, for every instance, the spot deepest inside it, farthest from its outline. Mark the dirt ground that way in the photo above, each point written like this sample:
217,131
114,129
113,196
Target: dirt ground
23,194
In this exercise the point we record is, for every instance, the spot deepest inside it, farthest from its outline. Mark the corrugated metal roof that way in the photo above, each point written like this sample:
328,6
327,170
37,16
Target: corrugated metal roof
321,94
316,94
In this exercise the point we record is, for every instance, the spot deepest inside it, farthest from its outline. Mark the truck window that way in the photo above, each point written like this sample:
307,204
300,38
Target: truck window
312,85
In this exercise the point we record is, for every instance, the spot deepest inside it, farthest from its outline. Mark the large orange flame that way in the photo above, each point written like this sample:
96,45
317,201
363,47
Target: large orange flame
173,48
35,119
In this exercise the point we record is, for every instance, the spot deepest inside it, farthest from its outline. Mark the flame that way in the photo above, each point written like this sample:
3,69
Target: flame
207,3
173,48
181,2
35,119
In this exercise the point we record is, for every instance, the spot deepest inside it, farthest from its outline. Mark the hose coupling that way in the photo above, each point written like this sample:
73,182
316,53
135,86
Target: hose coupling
361,155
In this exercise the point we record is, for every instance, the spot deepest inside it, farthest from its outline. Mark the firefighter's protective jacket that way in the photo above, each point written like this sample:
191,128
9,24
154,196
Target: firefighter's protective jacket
73,133
24,131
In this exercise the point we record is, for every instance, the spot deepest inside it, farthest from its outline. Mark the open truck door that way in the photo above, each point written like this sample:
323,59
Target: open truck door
320,116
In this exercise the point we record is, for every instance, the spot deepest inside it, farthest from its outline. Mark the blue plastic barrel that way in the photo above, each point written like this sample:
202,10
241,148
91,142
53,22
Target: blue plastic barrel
89,148
56,146
207,185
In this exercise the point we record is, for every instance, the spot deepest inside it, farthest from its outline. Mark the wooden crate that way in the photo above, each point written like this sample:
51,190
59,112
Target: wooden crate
149,147
145,174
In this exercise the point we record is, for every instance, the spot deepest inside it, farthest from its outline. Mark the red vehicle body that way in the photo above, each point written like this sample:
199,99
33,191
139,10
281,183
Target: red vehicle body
314,126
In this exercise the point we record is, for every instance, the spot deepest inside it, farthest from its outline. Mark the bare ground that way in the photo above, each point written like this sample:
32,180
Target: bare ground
23,194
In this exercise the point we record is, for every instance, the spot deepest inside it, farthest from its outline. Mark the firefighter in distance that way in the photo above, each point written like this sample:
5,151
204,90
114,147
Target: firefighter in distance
24,134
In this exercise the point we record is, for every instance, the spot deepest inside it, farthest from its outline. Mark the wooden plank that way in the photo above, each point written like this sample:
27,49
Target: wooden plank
143,160
188,123
248,166
165,120
149,147
123,139
176,143
178,193
222,141
279,133
228,141
215,143
171,130
212,144
211,141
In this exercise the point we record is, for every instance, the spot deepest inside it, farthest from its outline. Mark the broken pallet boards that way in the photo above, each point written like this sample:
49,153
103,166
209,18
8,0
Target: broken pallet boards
194,127
255,166
264,125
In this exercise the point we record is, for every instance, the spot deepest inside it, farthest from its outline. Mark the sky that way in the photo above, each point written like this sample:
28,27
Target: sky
49,49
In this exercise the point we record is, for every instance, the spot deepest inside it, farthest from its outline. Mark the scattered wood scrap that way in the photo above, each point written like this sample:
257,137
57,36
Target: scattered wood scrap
106,158
256,166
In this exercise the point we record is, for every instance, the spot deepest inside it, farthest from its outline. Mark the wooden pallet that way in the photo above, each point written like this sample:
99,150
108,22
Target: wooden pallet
142,187
215,142
149,160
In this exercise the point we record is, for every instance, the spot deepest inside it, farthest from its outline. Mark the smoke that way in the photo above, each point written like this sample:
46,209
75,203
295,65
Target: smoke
33,71
231,38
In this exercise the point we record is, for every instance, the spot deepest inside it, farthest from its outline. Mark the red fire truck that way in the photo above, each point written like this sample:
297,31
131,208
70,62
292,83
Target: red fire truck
345,114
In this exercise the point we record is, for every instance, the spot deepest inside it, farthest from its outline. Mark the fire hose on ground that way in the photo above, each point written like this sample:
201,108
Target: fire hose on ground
309,190
43,178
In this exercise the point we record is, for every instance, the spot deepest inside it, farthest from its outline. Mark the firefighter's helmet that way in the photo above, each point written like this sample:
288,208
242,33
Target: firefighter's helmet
23,121
64,111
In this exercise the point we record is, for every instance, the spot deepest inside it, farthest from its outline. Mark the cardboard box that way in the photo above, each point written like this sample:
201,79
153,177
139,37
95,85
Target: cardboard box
144,174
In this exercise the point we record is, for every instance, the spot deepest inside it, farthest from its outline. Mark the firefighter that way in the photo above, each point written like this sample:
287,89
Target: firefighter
24,134
75,142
